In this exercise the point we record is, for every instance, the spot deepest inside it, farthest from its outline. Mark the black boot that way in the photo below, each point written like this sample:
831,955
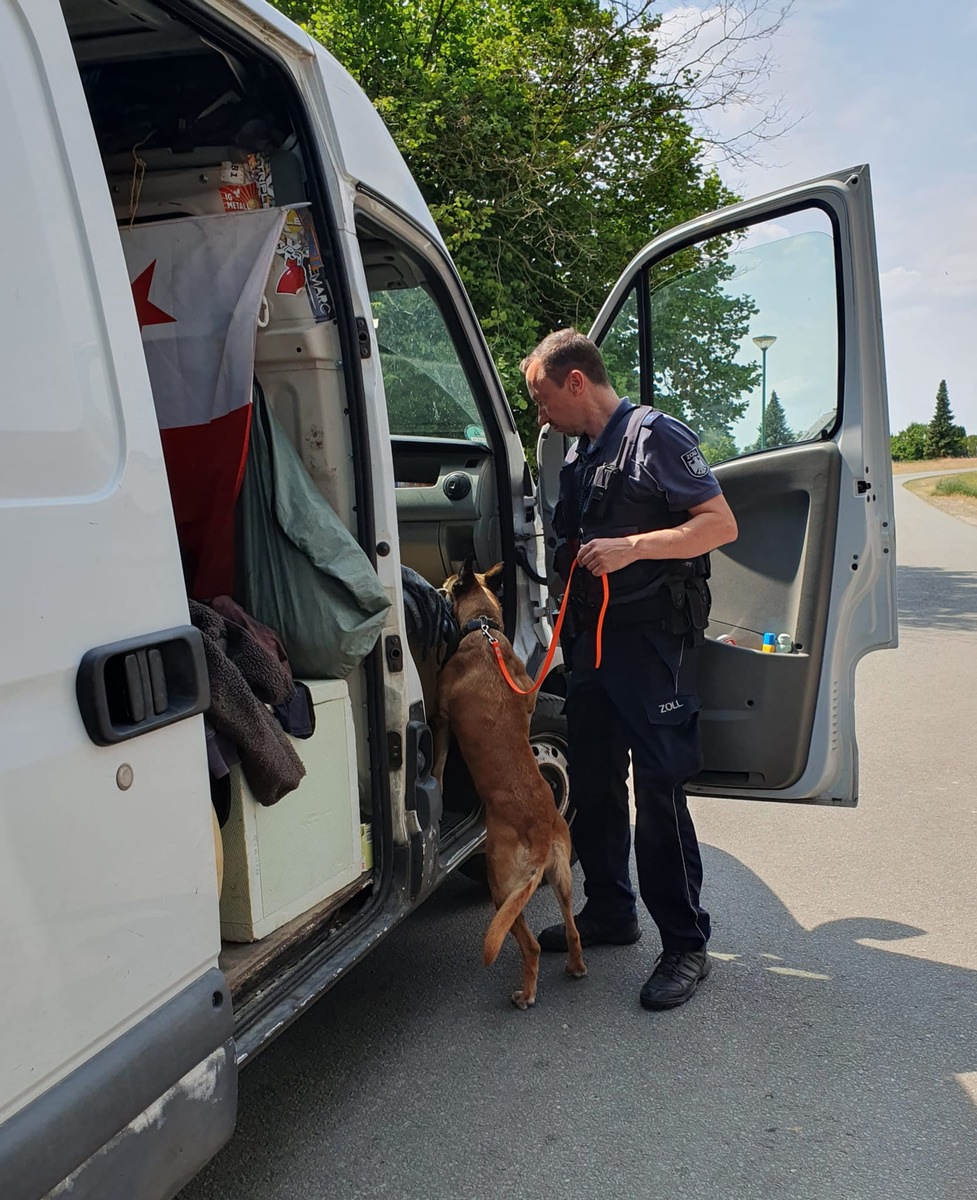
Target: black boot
593,932
676,976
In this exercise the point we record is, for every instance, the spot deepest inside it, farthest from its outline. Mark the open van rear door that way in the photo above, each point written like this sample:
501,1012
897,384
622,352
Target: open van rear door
760,326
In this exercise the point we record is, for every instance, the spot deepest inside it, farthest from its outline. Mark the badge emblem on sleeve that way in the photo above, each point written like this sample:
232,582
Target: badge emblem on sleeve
695,464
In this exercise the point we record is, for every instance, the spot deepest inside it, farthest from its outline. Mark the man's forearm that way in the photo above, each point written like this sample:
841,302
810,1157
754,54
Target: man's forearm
698,535
713,525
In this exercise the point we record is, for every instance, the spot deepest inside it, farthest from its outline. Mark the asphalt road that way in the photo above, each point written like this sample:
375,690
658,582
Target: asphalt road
832,1054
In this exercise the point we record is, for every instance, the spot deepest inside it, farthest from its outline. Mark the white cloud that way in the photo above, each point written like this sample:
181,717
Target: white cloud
767,231
899,284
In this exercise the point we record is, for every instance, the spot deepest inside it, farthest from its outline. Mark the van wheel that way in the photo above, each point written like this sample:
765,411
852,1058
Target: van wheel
548,738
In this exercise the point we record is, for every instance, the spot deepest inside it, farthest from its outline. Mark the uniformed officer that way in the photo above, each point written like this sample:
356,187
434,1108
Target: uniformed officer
639,504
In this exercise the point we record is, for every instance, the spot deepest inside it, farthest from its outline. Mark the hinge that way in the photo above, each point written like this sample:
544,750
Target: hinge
395,750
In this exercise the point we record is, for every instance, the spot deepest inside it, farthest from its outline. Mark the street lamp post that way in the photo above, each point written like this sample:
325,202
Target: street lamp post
764,343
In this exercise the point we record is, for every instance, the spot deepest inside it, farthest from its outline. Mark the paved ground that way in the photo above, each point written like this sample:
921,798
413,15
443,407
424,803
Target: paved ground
832,1055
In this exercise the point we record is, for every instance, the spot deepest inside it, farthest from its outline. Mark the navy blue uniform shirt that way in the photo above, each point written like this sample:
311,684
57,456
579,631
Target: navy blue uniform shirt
667,460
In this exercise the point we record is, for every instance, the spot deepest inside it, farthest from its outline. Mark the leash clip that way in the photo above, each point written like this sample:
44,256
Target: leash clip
493,641
486,629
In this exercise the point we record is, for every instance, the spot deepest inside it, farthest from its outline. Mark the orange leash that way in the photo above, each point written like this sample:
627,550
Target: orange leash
494,641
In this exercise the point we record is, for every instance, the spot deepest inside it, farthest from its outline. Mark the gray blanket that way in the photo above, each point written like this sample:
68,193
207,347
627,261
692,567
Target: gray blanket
430,620
244,679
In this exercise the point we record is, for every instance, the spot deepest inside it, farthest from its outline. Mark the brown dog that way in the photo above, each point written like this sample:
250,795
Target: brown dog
526,837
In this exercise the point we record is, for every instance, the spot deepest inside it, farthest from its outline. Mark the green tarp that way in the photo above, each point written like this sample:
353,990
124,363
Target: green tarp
300,569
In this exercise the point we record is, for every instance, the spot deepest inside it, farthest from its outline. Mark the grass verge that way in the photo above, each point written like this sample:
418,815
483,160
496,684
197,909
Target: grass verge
953,494
957,485
930,464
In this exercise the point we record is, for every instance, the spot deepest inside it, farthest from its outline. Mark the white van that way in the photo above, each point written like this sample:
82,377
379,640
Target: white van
146,956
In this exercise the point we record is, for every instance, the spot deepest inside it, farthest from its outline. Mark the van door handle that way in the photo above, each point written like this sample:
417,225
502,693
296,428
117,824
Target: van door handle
128,688
522,558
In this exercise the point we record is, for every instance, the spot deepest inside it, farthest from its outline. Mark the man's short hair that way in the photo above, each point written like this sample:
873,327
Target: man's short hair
564,351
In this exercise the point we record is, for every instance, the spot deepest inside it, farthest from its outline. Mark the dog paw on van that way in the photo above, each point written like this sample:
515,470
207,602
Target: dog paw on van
526,836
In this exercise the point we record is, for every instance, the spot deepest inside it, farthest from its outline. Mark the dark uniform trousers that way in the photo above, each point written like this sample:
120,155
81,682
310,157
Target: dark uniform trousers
635,703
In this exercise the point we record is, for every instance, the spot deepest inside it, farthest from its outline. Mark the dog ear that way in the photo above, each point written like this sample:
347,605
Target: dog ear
493,578
465,579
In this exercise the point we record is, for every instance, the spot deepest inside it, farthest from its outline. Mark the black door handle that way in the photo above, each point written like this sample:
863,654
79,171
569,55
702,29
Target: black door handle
128,688
522,558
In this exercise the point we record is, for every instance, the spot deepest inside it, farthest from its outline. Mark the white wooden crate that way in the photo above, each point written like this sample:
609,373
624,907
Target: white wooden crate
281,861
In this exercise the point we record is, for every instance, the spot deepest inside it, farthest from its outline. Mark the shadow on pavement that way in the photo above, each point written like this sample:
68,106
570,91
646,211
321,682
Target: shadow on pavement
810,1066
931,598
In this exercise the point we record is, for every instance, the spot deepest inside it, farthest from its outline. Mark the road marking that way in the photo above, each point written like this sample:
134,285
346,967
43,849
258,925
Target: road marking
793,971
968,1081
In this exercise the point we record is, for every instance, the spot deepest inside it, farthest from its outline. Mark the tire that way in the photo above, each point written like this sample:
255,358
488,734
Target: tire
548,738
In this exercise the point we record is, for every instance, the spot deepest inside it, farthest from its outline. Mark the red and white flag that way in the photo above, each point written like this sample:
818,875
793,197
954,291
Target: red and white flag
197,284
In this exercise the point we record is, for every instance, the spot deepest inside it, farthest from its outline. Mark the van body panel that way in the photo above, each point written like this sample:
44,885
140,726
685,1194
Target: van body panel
366,152
266,23
523,602
109,895
140,1117
163,1148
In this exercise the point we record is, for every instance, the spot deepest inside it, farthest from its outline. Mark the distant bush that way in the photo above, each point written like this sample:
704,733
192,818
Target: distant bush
910,444
957,485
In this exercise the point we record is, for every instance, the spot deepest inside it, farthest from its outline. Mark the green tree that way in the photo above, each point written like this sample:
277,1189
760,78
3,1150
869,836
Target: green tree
697,330
717,446
943,438
910,444
970,445
542,143
776,430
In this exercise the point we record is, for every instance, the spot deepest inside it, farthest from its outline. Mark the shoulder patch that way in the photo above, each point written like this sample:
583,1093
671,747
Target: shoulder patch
695,464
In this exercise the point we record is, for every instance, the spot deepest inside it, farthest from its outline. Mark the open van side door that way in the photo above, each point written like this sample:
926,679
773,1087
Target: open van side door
110,997
760,327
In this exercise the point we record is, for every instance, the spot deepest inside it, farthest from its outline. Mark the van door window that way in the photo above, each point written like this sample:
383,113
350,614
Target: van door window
428,394
430,386
439,414
739,336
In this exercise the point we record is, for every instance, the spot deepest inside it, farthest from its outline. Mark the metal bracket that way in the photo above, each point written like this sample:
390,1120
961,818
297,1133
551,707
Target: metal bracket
363,337
394,650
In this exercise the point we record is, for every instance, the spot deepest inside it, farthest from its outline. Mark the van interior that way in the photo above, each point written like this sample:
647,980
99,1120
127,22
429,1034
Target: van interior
190,124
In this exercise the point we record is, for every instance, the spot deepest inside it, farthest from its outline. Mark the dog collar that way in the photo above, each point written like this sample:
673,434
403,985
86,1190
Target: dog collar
480,623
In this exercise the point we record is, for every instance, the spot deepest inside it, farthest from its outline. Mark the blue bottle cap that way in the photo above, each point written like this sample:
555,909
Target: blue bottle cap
770,639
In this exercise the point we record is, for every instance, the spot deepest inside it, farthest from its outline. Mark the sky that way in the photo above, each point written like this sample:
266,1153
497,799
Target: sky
892,84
